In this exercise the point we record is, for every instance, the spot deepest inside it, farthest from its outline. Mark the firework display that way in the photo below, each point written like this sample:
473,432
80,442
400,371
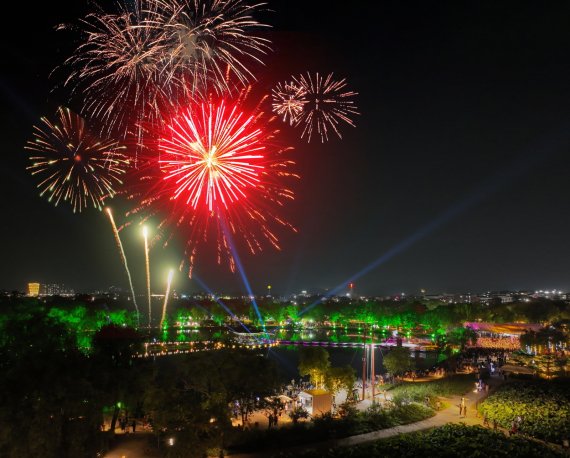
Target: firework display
170,79
318,104
73,164
220,170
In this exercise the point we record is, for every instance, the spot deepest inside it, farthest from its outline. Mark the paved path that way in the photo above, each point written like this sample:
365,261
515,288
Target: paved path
449,415
132,446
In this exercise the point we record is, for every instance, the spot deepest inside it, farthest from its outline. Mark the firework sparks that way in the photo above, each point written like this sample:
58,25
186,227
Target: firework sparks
147,265
132,66
212,160
165,303
74,165
289,101
318,103
211,41
119,68
123,259
219,167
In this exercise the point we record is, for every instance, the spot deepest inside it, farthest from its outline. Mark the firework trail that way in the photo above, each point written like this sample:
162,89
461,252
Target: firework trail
147,265
318,103
168,284
74,165
124,259
217,162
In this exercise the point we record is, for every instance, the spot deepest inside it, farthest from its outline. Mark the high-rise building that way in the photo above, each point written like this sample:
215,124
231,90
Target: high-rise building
33,289
54,289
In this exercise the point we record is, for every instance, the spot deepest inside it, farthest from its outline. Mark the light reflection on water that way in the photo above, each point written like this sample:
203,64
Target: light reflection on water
349,350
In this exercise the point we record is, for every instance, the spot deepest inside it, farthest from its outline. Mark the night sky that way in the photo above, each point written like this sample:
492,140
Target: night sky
455,179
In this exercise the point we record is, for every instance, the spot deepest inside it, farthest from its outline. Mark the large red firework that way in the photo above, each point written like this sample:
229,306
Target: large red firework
218,173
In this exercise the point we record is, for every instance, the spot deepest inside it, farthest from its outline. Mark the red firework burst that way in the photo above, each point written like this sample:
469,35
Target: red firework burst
219,172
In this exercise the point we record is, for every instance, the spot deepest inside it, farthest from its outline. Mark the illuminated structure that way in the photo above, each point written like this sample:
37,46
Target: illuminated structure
33,289
54,289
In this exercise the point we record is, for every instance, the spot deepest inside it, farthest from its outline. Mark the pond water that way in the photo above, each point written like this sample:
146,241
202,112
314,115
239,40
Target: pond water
345,347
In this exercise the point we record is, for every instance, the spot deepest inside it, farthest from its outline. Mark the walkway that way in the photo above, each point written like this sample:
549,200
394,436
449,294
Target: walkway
449,415
133,446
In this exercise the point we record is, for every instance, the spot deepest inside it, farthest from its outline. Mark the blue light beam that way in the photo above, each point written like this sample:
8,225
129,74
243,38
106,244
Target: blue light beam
533,157
240,268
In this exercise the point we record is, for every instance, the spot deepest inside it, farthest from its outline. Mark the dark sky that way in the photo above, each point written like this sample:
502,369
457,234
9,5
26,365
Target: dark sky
455,179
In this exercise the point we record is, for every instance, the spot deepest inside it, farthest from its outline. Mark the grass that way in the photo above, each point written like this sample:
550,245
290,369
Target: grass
453,385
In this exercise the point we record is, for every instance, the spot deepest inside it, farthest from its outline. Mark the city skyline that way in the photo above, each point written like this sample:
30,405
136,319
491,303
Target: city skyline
350,292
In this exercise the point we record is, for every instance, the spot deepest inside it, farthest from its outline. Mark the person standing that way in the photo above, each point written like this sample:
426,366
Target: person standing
514,428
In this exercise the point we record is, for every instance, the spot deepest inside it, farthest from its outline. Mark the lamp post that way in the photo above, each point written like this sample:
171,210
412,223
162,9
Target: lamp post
372,370
364,364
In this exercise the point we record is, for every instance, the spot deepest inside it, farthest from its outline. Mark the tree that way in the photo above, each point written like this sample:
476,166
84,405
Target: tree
189,398
117,373
461,337
297,413
248,379
48,406
338,378
272,407
398,361
314,362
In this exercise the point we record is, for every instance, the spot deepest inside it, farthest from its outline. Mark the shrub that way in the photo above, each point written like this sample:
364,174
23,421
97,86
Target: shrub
327,427
544,407
445,442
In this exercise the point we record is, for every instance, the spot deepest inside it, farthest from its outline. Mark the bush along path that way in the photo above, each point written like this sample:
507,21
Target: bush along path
448,415
448,441
536,408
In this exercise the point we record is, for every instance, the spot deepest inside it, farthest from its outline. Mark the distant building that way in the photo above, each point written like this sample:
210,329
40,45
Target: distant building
33,289
546,294
55,289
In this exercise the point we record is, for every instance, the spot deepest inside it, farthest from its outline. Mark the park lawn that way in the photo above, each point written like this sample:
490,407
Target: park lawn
453,385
